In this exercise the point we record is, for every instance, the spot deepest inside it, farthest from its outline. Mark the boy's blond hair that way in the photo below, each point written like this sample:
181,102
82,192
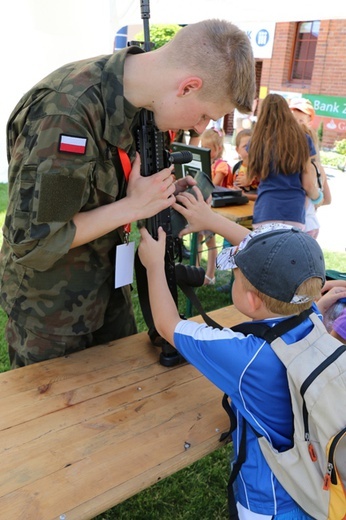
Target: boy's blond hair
311,287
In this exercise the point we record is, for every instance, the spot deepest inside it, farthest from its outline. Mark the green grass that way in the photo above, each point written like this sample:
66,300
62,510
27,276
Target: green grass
199,491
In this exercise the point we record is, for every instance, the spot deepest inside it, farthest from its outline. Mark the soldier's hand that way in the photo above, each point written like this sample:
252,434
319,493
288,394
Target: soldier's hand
150,195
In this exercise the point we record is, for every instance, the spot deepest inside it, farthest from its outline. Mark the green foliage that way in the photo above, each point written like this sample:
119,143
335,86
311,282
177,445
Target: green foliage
333,159
4,362
3,196
320,132
335,261
160,34
3,205
340,147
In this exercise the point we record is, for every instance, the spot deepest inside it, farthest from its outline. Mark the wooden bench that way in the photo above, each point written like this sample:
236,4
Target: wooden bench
81,434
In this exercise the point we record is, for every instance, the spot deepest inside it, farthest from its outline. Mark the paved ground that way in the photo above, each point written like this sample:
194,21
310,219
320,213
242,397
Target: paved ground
332,236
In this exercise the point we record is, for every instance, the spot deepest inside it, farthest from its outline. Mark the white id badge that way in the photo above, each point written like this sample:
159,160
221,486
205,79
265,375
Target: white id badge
124,264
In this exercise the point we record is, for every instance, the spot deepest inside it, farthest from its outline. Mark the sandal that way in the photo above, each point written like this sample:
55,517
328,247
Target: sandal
208,280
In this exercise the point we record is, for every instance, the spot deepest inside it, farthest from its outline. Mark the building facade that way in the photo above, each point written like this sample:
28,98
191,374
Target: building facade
307,59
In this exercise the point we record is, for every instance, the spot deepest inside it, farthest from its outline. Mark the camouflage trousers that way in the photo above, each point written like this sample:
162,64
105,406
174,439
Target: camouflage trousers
26,347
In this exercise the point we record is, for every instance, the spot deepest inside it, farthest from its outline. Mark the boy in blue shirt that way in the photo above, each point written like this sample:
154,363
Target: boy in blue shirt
279,272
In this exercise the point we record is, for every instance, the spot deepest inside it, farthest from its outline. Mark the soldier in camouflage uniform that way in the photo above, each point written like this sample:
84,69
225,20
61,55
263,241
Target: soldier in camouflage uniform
69,199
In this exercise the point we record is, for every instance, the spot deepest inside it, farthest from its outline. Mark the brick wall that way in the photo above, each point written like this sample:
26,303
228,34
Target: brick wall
329,74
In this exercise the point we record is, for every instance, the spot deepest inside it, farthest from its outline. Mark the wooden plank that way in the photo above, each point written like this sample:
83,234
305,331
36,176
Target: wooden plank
59,492
62,445
115,354
83,433
84,457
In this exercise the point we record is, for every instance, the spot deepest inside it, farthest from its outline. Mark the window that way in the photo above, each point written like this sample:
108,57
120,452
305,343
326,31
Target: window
305,50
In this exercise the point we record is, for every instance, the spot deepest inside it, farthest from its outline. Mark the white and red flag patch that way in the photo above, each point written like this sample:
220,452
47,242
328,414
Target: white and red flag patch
72,144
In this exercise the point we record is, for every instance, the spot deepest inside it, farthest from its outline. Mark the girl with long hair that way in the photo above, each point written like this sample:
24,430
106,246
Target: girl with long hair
279,156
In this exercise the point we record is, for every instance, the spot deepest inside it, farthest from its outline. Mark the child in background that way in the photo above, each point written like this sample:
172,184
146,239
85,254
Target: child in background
240,178
304,113
221,175
280,157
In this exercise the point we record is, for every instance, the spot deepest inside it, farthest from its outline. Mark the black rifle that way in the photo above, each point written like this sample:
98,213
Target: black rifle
154,158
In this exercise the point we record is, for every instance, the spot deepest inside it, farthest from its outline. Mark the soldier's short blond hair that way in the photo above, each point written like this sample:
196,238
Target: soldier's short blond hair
221,54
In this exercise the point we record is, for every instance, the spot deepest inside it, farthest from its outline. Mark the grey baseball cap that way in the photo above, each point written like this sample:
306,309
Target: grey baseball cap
277,259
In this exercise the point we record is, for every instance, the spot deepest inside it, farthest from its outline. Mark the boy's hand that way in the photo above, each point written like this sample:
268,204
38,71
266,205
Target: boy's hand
329,284
184,183
330,297
164,310
196,211
241,180
152,252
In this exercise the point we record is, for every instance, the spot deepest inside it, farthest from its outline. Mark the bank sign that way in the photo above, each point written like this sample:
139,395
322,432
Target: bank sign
329,109
329,106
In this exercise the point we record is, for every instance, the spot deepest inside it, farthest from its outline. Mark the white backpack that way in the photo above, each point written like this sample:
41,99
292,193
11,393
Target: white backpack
313,471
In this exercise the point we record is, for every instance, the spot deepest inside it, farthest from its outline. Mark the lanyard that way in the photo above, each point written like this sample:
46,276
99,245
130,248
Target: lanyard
126,165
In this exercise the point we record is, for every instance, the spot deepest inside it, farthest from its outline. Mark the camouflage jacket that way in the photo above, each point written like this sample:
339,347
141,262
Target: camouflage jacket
61,141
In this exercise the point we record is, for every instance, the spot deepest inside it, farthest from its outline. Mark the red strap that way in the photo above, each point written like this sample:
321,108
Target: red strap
126,164
172,135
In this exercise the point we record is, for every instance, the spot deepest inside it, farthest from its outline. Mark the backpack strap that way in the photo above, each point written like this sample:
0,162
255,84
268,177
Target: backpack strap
232,419
228,179
262,330
318,174
219,161
237,166
232,504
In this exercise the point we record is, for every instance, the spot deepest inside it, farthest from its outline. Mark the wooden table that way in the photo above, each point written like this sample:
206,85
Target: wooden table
82,433
241,214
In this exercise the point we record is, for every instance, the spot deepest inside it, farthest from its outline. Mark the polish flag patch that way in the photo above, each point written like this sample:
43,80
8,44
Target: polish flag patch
71,144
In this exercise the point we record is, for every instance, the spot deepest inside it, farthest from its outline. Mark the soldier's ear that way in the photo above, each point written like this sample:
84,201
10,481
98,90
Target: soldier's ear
190,85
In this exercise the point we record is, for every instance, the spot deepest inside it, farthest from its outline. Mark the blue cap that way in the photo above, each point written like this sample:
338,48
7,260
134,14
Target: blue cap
277,259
